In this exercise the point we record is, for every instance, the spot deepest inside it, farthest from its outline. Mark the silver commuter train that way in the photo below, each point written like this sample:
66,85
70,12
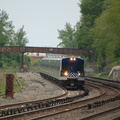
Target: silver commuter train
69,71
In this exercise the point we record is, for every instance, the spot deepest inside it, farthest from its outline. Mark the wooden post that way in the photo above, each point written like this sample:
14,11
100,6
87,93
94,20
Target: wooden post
9,86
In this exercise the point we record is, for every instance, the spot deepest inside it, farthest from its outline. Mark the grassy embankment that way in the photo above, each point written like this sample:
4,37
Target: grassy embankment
99,75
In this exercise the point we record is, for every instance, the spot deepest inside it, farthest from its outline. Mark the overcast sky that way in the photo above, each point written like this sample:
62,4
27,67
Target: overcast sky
42,18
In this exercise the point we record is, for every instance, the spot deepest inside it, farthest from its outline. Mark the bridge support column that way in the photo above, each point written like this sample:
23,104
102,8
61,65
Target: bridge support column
22,63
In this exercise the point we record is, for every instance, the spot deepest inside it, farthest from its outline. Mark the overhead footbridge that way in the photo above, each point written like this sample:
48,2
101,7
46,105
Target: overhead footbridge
46,50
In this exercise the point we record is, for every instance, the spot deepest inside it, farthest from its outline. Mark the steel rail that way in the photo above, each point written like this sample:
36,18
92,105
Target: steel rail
35,101
91,117
58,105
70,102
68,110
34,109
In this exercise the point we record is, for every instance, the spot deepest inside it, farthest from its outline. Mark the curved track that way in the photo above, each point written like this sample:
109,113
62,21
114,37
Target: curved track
81,109
21,108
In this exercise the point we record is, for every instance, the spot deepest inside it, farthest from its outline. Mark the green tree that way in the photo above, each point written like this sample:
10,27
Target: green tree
106,34
106,4
90,9
67,36
6,29
82,36
20,38
8,37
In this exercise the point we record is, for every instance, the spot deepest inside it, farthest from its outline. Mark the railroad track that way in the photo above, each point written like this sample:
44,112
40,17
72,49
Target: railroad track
65,93
66,105
107,82
8,111
82,109
105,115
68,113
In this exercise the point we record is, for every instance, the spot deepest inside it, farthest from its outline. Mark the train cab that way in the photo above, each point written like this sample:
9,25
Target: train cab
72,71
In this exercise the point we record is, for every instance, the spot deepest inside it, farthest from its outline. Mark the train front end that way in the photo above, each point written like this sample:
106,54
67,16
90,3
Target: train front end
72,72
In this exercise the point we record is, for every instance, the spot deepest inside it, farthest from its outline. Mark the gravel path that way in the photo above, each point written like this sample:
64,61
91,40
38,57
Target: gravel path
38,89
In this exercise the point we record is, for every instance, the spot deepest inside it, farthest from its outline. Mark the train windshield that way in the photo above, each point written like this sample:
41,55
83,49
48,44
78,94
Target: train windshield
72,67
66,66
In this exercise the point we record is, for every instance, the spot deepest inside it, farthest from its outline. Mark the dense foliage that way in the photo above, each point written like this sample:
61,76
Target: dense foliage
97,30
8,37
106,35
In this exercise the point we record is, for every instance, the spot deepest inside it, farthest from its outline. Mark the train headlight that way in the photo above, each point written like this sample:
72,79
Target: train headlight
72,59
65,73
79,74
